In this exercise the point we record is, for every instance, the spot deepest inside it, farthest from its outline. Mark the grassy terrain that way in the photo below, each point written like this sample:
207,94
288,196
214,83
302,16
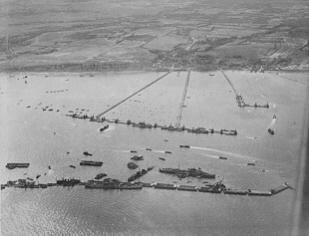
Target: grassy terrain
81,35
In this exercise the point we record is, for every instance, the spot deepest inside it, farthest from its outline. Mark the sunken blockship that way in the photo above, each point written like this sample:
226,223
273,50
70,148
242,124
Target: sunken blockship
68,182
139,174
144,125
191,172
114,184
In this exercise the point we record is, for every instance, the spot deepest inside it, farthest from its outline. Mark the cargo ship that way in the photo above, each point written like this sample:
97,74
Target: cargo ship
191,172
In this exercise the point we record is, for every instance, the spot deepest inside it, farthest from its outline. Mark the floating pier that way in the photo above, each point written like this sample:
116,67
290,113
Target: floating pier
235,191
164,186
280,188
239,99
187,188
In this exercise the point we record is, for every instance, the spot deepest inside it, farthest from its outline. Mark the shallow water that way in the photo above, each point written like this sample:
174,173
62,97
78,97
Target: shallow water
44,138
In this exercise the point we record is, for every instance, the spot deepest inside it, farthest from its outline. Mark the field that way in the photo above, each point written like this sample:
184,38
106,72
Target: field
145,35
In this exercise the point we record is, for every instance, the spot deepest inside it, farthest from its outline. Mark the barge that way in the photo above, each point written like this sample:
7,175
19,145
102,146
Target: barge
91,163
14,165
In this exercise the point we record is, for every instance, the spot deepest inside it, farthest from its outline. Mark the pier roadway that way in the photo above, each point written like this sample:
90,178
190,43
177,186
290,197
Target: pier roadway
132,95
230,83
182,103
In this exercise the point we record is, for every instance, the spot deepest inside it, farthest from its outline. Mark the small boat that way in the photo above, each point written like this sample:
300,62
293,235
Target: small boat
72,166
133,151
251,164
132,165
168,152
87,153
38,176
104,128
148,149
271,131
100,176
222,158
137,158
162,159
49,167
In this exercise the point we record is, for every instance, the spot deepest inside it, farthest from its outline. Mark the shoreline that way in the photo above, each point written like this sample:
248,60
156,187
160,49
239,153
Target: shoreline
149,70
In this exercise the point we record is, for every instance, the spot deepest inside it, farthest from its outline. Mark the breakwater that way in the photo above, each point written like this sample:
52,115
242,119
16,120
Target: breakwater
114,184
144,125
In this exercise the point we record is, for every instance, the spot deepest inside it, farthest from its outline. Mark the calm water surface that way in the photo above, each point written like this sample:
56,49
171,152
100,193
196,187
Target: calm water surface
44,138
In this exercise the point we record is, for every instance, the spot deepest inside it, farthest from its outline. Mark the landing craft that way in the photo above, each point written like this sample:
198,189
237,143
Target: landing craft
270,128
